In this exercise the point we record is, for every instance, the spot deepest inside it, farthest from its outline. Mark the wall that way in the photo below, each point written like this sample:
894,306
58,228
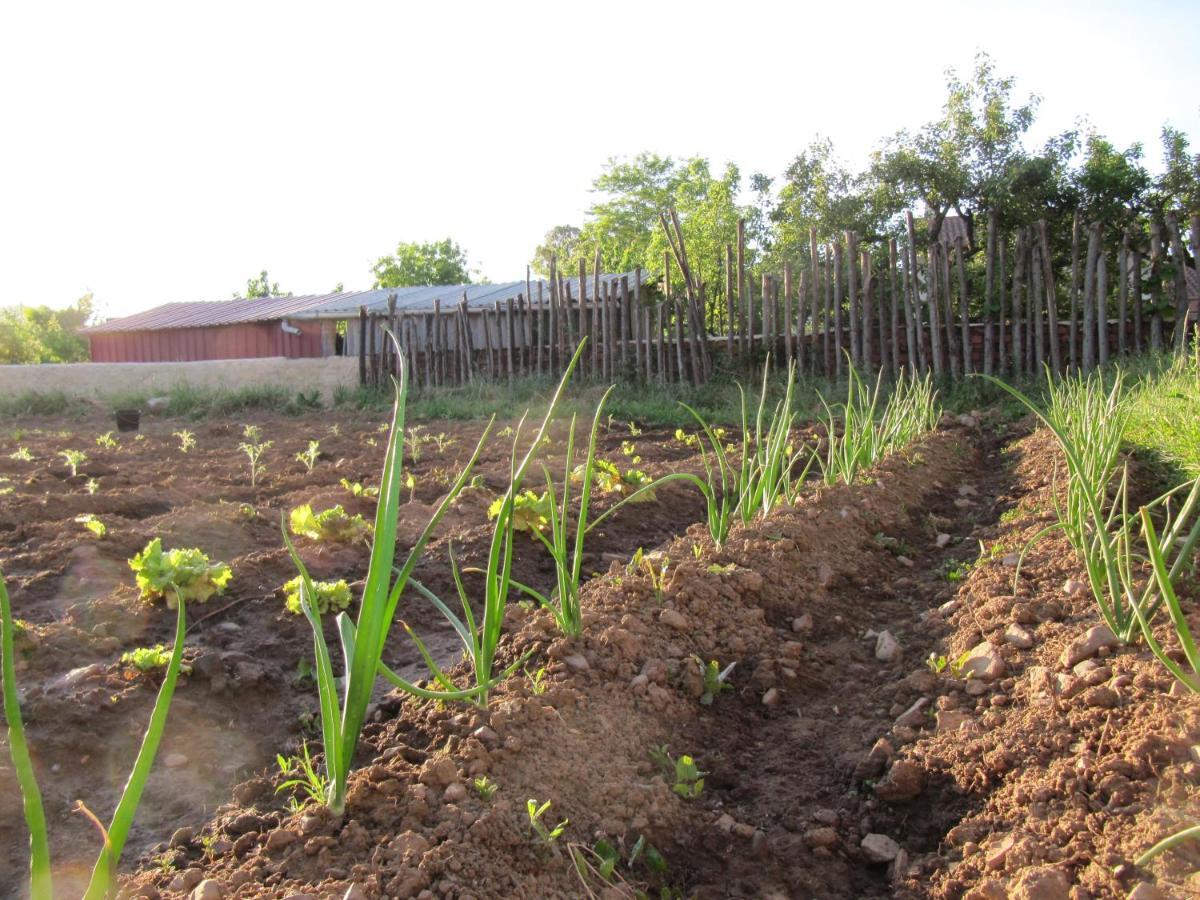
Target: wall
102,379
239,341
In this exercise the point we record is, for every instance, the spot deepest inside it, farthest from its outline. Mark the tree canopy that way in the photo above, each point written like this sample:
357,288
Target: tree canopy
39,334
262,286
435,262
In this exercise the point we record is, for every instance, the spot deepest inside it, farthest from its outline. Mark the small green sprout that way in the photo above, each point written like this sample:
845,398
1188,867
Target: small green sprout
92,524
537,681
92,485
714,679
688,779
629,448
634,431
357,489
333,524
21,454
303,777
147,659
251,434
74,458
106,440
938,664
485,787
310,456
335,429
686,438
410,482
332,596
548,835
413,439
443,442
186,439
654,566
254,451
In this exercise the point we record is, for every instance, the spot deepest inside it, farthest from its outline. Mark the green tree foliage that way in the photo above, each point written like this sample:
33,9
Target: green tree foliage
561,241
436,262
38,334
262,286
1112,183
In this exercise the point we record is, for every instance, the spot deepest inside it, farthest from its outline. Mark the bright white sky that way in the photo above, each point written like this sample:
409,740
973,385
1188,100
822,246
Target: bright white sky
164,151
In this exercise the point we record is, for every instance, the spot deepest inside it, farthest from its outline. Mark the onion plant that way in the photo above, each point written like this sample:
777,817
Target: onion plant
868,432
765,476
177,577
362,641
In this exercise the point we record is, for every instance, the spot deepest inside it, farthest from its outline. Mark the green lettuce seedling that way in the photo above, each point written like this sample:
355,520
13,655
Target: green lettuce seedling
176,573
333,524
330,596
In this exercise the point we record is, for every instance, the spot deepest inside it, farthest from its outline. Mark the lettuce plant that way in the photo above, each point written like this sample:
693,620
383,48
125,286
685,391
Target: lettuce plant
333,524
179,574
327,596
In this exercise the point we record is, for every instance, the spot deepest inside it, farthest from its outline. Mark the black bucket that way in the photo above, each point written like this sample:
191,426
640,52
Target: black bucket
128,419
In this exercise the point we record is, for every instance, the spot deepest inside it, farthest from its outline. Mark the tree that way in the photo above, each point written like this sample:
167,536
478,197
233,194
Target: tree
561,241
1112,183
39,334
262,286
436,262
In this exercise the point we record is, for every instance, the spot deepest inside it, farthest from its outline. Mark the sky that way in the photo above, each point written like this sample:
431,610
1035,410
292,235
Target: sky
155,152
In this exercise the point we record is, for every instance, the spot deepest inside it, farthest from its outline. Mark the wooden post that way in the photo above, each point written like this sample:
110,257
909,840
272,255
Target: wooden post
680,366
1002,344
951,332
1102,308
1036,299
1089,298
935,346
1122,293
541,328
362,346
1156,259
1073,334
555,359
766,312
512,335
660,341
1051,298
623,323
838,341
373,327
635,319
815,295
893,290
464,323
1179,260
852,298
932,292
585,325
743,303
1135,278
1018,354
729,301
788,349
868,312
964,307
989,292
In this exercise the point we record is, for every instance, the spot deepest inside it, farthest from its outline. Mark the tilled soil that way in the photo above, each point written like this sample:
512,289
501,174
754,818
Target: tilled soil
838,765
245,699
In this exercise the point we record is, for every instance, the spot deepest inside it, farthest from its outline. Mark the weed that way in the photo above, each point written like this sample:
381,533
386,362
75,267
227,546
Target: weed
548,835
74,459
485,787
301,777
537,681
310,456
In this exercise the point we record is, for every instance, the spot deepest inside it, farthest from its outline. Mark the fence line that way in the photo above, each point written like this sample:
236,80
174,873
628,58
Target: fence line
904,306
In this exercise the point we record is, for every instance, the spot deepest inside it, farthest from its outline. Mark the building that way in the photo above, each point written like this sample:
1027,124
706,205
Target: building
311,325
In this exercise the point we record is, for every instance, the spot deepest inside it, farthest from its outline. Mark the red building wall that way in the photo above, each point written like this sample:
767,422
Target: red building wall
241,341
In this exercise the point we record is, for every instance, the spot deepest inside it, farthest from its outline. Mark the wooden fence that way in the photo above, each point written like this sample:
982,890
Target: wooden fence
890,306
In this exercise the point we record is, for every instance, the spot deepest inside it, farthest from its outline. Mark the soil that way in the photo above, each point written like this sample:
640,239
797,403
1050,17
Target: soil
838,764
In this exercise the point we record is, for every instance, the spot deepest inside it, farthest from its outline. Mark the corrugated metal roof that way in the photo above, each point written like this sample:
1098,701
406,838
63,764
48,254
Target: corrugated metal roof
203,312
344,305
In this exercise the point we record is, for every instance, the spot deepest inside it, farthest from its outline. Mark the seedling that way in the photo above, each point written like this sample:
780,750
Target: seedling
485,787
252,434
327,596
938,664
687,438
254,451
653,566
548,835
443,442
413,439
629,448
186,439
147,659
410,482
92,524
333,524
74,458
537,681
688,779
530,511
106,440
92,485
180,574
302,777
356,489
310,456
714,679
21,454
335,429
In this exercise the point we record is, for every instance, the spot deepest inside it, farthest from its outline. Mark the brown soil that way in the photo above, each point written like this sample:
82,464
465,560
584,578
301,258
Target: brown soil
1029,780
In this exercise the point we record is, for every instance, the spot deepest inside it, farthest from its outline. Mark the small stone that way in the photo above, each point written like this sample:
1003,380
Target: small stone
987,890
903,782
354,892
887,648
984,662
1073,586
1010,560
438,772
243,823
1041,883
771,697
1146,891
943,540
879,848
876,760
1067,686
998,852
485,735
826,816
821,837
1018,636
914,716
1101,697
175,760
277,840
905,561
725,823
952,720
182,836
186,880
576,661
673,618
455,793
1088,645
802,623
207,890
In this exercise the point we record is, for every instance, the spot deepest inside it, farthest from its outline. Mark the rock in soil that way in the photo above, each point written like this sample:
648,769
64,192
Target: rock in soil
887,648
1088,645
879,848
